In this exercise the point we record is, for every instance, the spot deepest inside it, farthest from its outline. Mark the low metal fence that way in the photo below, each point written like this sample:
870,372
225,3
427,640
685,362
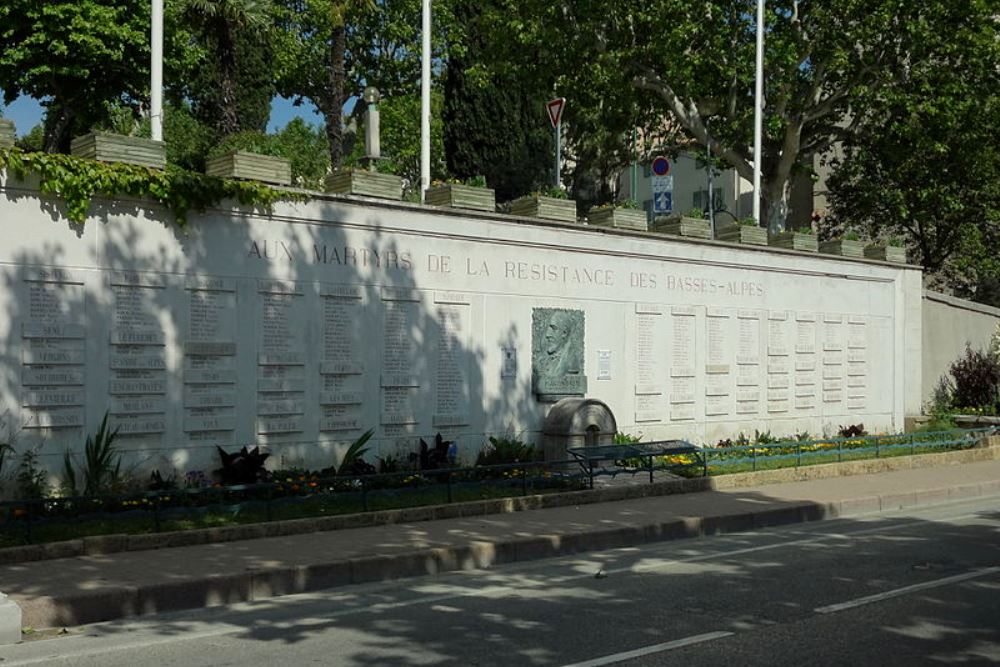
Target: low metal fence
296,495
304,495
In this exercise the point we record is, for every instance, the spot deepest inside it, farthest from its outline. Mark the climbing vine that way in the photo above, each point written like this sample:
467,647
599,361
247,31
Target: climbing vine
77,181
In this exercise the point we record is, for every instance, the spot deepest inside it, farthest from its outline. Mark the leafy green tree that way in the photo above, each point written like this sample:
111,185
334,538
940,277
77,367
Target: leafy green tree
300,143
234,34
494,123
76,56
311,54
639,62
923,157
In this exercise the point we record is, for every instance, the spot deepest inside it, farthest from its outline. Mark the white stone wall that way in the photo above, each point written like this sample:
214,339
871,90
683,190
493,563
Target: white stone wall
949,325
302,329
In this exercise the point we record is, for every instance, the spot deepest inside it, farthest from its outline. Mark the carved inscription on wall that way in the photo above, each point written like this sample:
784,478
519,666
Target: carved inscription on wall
53,351
453,318
281,352
779,364
719,376
834,342
683,359
342,373
857,364
210,360
650,355
399,380
748,372
806,366
138,354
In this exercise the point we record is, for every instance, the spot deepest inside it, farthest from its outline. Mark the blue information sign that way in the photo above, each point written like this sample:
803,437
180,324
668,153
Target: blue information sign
663,201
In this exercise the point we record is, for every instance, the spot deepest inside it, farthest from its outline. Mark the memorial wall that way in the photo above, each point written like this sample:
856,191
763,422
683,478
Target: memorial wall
302,329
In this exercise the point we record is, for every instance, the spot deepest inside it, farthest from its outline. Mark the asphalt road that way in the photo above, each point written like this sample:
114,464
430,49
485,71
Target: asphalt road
904,588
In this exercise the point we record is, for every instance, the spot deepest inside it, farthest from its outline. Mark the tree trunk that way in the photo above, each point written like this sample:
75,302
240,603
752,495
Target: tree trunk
334,102
58,127
774,205
229,121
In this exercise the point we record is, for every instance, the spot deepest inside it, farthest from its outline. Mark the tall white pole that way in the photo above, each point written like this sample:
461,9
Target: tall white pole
156,71
758,114
425,102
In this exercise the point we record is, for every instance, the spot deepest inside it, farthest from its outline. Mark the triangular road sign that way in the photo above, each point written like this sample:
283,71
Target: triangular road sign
555,109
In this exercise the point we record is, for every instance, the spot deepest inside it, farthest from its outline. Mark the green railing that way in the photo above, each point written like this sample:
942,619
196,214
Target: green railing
765,456
297,496
301,496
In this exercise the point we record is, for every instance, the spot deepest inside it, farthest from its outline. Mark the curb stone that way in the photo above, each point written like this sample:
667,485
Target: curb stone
107,544
259,584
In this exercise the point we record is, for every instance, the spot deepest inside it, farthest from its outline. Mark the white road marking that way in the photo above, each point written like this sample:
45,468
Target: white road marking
648,650
906,590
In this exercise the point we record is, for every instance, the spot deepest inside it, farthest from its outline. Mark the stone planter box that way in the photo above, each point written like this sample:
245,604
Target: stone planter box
367,183
691,227
251,167
886,253
622,218
108,147
462,196
843,247
743,234
549,208
7,134
795,241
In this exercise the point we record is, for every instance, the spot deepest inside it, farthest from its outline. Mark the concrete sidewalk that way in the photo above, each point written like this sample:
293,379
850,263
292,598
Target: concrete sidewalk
86,589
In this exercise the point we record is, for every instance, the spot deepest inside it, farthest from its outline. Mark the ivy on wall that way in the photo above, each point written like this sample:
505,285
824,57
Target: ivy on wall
77,181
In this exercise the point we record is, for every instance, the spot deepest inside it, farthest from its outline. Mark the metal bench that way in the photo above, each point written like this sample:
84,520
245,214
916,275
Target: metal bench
590,455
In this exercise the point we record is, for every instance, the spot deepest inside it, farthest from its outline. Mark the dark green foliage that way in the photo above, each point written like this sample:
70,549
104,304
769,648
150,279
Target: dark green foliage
101,461
299,143
76,181
389,464
76,56
232,85
353,462
433,458
33,141
852,431
626,439
499,451
32,481
495,126
157,482
242,467
977,380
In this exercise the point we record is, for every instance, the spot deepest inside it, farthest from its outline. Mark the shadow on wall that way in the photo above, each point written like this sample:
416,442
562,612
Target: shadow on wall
241,329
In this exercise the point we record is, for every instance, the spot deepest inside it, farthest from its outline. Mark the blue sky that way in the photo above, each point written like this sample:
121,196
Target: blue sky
26,112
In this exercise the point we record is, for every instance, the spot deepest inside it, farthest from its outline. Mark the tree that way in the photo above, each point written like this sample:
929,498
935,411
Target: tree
231,31
76,56
923,160
494,124
694,61
312,52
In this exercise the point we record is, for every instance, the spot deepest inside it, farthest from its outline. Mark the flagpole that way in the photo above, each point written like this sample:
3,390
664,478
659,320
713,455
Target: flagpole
425,101
758,114
156,71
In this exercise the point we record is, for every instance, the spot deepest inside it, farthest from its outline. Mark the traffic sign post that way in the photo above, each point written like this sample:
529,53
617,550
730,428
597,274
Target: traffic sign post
663,186
555,108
